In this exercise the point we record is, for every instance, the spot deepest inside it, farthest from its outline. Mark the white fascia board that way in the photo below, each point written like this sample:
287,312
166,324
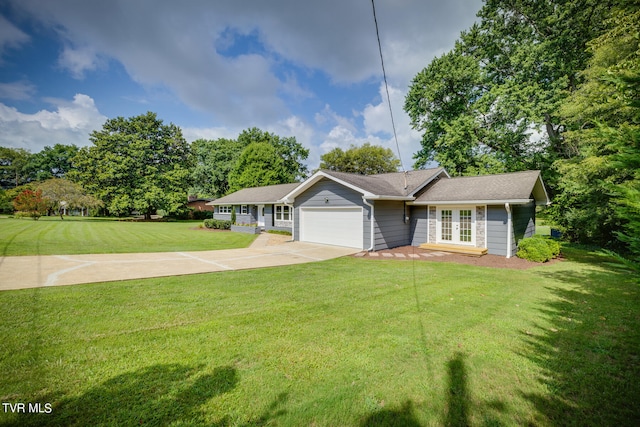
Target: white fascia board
472,202
290,198
247,203
540,184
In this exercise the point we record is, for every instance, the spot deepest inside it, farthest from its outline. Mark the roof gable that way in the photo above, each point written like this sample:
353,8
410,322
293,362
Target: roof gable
396,185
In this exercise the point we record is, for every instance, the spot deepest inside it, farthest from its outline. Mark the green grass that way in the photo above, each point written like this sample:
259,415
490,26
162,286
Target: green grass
338,343
50,235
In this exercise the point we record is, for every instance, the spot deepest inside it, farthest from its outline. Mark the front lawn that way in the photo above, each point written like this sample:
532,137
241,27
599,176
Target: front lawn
53,236
338,343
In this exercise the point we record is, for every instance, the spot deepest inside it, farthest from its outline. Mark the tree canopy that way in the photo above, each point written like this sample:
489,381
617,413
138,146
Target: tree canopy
136,164
365,160
491,104
598,197
14,167
63,194
259,164
219,169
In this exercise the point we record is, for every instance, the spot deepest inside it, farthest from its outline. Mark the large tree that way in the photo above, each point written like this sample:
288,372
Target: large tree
52,162
217,160
14,167
213,162
288,149
598,198
365,160
491,104
258,165
136,164
63,194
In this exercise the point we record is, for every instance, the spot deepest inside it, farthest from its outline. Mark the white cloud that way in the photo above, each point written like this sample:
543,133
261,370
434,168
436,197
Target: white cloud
78,60
184,50
160,43
19,91
70,123
10,36
377,124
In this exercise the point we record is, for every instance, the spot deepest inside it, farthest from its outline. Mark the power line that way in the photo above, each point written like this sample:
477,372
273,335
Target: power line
386,85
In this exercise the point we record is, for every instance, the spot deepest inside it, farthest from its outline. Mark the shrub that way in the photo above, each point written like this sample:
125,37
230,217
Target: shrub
538,249
233,214
554,245
217,224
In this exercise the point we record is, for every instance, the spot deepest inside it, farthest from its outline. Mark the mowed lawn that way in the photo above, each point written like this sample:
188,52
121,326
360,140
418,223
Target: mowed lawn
53,236
346,342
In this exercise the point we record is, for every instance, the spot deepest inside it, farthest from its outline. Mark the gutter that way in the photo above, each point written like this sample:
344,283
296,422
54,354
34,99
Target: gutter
293,221
509,228
373,223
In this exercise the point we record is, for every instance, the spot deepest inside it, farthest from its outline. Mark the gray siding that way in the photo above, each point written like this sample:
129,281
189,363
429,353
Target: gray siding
418,225
269,220
524,221
391,230
497,230
327,193
249,218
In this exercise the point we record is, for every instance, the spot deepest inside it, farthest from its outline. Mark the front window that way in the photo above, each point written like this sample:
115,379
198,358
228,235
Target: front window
224,209
283,213
244,209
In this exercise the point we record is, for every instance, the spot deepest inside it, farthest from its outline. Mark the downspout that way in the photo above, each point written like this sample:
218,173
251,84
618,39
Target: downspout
293,222
373,223
508,209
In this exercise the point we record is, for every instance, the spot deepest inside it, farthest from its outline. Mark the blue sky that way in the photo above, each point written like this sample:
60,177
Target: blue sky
295,68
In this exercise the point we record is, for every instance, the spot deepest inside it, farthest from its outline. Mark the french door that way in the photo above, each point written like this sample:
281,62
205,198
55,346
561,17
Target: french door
456,225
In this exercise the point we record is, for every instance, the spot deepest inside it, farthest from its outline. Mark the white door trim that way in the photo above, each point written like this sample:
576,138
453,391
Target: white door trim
458,224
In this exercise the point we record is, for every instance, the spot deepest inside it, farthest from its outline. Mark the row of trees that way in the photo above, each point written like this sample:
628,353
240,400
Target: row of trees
141,164
544,85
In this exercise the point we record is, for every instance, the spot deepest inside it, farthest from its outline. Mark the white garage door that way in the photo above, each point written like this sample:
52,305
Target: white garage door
332,226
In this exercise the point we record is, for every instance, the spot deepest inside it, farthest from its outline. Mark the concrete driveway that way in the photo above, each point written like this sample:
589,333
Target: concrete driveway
267,250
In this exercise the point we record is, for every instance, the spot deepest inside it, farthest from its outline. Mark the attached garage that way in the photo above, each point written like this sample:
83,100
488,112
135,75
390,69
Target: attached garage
340,226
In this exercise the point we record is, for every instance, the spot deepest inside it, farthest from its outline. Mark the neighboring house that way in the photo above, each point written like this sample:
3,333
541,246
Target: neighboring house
383,211
199,204
258,205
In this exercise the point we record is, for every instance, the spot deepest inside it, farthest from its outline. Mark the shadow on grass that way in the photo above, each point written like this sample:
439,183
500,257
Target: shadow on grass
590,353
157,395
457,412
458,398
273,411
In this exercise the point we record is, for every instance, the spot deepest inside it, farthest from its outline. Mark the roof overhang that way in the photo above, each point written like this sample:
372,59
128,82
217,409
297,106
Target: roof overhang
270,202
540,193
472,202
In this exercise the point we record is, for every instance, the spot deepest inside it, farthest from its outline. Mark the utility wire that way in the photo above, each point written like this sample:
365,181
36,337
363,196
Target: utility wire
386,85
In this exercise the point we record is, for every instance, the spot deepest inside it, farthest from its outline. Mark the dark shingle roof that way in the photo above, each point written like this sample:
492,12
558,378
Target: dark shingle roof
502,187
256,195
388,184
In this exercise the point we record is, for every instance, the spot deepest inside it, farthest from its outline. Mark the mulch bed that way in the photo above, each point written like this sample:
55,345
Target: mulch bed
216,230
494,261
